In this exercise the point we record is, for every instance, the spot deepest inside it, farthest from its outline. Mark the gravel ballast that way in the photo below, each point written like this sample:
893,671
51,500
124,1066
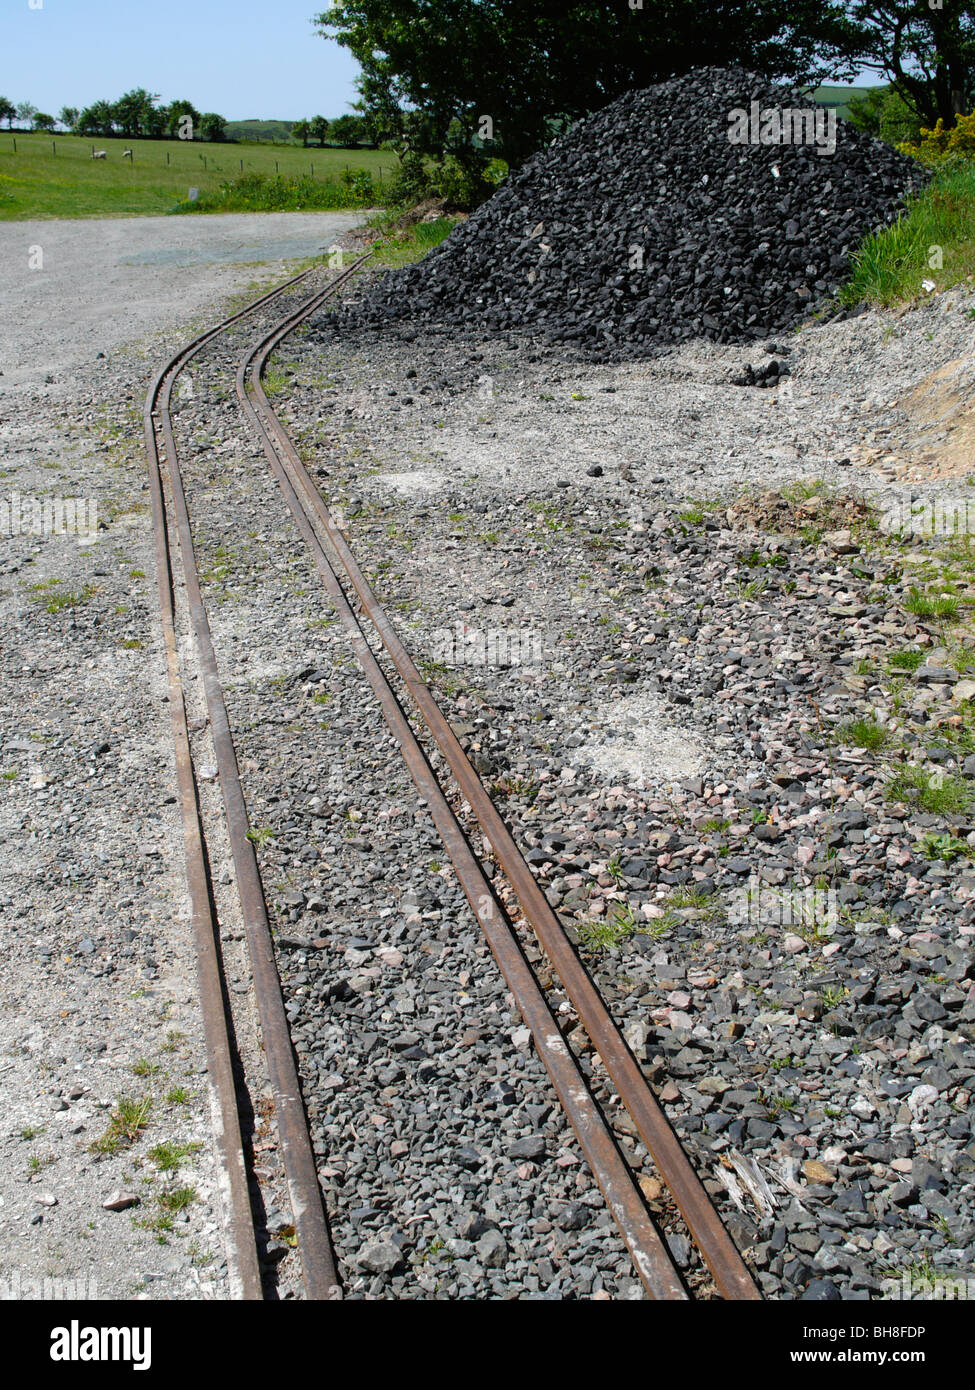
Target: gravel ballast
772,920
668,738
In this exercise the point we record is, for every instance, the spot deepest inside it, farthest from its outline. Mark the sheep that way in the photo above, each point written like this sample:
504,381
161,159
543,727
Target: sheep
99,154
126,154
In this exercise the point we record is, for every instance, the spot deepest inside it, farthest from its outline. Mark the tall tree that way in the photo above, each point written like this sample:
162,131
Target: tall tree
26,111
212,126
318,129
132,111
97,119
68,117
176,113
7,112
155,121
42,121
345,130
523,64
300,130
926,51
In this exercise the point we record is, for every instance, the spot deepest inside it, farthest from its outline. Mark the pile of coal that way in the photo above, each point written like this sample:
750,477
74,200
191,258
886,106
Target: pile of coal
714,205
766,374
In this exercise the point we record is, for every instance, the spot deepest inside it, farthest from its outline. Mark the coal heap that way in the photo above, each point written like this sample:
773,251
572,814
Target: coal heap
646,225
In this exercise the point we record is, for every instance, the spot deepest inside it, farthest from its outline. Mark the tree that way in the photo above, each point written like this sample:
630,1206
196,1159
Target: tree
7,112
155,120
883,112
318,129
345,130
42,121
26,112
97,119
175,114
68,117
372,129
432,70
927,54
132,112
300,131
212,126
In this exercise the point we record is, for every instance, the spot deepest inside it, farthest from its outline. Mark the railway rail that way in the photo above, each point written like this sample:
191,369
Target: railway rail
397,686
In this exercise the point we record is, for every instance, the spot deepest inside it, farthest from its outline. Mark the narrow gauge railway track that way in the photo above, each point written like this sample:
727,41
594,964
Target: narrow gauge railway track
363,618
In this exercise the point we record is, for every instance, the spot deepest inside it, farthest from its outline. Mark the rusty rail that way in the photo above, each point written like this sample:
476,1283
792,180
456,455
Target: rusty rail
317,1258
730,1273
332,555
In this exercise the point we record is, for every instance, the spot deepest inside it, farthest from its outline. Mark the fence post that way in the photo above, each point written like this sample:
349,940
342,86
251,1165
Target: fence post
54,148
167,156
241,166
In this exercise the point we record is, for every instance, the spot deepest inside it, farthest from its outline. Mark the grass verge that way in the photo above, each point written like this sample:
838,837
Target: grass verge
288,193
938,224
413,243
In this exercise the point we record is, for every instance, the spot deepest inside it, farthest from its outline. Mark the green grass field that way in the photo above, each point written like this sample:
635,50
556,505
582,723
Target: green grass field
839,97
38,183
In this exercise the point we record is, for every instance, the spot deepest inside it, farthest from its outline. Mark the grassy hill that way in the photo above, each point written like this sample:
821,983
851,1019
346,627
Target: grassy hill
275,132
839,97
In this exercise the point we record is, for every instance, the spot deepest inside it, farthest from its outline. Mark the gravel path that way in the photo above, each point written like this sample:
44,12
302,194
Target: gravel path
658,736
103,283
99,989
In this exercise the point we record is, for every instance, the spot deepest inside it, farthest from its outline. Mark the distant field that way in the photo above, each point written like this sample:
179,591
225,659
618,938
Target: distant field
839,97
259,130
36,182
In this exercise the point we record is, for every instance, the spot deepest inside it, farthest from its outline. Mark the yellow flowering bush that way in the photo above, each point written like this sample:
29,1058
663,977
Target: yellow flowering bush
938,144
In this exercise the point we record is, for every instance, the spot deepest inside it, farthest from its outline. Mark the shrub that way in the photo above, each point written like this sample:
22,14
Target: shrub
938,145
885,114
410,181
359,182
461,185
897,120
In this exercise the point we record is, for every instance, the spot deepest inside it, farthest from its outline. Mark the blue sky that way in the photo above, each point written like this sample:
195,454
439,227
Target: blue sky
243,58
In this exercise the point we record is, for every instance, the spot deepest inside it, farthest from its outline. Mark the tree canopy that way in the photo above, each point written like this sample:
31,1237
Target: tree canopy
318,129
451,77
137,114
926,53
432,70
